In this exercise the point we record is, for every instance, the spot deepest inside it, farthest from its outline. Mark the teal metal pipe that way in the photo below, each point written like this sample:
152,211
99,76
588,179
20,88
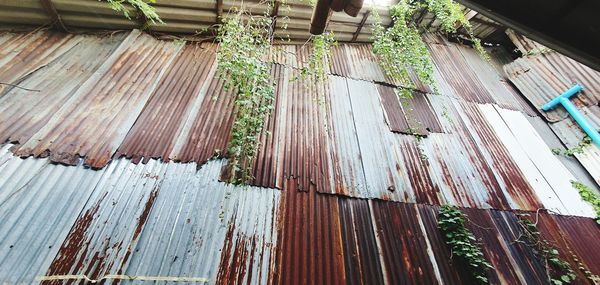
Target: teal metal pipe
563,100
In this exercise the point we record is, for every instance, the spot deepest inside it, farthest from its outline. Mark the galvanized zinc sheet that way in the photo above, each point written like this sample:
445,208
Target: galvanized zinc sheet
24,112
95,120
147,220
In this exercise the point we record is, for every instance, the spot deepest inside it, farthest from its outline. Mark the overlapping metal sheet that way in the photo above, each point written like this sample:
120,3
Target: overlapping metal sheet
356,203
23,112
144,220
542,75
330,137
94,121
381,242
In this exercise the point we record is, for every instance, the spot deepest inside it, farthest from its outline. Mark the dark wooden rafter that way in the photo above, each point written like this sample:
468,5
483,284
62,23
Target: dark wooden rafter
360,26
219,11
53,13
273,15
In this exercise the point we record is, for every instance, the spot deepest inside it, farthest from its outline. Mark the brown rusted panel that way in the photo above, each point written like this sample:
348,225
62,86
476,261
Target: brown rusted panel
310,247
361,255
456,72
582,234
24,112
96,119
210,126
22,54
504,167
394,114
560,240
294,145
420,108
450,271
160,123
402,244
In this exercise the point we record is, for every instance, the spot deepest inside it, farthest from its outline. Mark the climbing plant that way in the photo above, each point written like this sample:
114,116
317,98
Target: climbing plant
242,66
451,17
558,271
462,242
320,50
400,48
142,6
589,196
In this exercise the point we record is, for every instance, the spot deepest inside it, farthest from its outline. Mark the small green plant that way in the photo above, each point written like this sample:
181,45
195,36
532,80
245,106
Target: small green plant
142,6
558,271
400,48
556,151
595,279
589,196
580,148
320,51
462,242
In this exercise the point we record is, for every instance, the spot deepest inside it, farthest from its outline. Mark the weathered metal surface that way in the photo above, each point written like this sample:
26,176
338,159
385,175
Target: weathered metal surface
543,74
408,115
151,220
95,120
39,202
22,54
23,112
163,119
461,73
171,220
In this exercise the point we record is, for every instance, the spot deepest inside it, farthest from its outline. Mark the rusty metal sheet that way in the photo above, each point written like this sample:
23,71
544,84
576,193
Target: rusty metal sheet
456,71
309,239
39,202
163,118
95,120
22,54
24,112
408,115
114,221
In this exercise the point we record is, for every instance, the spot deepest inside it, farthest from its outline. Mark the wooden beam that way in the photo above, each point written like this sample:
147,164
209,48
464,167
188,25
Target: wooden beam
54,16
360,26
273,16
219,11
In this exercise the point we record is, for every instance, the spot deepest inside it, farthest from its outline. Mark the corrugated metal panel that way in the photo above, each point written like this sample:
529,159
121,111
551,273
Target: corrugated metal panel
39,202
172,220
22,54
154,219
555,177
408,115
23,112
95,120
160,123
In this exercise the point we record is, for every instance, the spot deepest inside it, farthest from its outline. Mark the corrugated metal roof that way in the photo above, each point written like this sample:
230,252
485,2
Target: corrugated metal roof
330,138
357,202
194,16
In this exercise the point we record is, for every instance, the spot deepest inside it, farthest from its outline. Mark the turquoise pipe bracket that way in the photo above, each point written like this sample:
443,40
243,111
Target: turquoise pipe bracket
563,100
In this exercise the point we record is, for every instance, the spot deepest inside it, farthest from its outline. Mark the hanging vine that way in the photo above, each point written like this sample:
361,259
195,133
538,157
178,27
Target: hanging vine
451,17
242,66
320,50
142,6
400,48
558,271
462,242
